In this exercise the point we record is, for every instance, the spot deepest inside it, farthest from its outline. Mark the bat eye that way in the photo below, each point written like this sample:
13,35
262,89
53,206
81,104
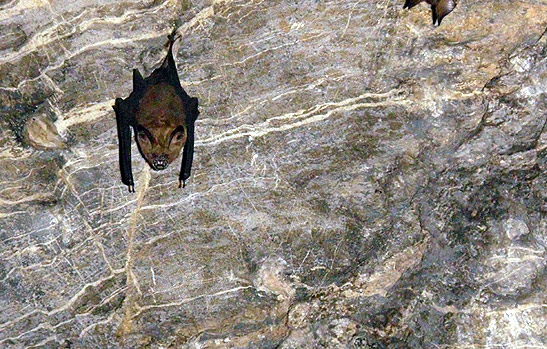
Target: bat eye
143,134
178,134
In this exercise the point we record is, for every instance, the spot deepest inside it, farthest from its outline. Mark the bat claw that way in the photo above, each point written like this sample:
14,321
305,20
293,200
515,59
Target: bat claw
131,188
182,184
171,38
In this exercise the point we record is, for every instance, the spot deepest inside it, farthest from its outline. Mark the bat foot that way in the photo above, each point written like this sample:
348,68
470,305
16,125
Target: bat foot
171,38
131,188
182,184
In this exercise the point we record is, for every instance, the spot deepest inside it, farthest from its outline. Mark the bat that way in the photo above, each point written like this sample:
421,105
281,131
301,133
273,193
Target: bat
439,8
162,116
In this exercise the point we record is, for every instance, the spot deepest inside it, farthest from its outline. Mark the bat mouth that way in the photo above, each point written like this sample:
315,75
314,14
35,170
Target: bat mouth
160,163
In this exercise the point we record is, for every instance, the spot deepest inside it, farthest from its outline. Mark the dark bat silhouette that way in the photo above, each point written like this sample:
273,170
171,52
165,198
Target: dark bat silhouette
439,8
162,116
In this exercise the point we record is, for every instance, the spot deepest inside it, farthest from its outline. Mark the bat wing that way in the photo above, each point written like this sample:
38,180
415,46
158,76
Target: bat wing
123,121
125,110
192,113
443,8
411,3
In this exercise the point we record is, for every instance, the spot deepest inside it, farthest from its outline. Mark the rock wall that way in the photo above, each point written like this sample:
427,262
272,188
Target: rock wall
361,178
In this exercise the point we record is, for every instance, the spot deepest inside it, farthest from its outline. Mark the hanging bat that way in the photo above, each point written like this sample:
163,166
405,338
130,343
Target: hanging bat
439,8
162,116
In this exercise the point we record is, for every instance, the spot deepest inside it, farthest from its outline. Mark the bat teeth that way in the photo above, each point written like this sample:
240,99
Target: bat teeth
161,162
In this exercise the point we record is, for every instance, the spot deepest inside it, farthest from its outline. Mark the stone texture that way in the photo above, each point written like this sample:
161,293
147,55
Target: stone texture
362,179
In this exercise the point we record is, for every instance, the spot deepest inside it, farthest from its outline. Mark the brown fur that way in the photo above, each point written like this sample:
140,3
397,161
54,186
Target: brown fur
160,112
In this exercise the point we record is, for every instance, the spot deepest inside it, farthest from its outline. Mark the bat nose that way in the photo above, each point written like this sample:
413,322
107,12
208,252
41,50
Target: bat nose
161,162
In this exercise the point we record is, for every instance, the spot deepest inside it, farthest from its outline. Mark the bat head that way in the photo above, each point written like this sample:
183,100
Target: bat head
160,131
160,146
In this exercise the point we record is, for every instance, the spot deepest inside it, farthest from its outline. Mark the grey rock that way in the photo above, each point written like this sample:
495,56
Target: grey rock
362,179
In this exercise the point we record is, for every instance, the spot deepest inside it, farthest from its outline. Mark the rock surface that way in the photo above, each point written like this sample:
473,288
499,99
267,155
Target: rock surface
361,179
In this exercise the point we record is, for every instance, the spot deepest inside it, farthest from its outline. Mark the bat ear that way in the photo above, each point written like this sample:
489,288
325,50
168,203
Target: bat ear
138,81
